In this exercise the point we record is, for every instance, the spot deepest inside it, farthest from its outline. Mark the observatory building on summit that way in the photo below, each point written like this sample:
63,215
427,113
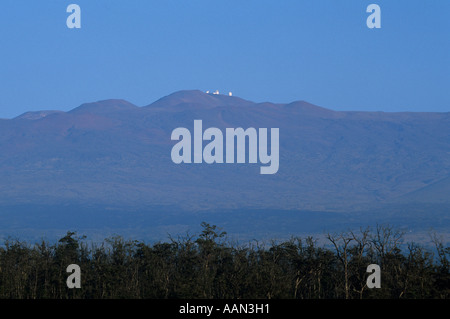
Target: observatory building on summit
216,92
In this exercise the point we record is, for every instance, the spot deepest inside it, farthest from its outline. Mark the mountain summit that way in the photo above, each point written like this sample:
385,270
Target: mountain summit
196,98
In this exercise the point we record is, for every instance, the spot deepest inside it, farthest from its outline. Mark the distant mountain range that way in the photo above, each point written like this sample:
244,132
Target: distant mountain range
115,155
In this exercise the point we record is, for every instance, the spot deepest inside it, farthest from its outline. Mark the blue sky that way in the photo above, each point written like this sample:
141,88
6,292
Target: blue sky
320,51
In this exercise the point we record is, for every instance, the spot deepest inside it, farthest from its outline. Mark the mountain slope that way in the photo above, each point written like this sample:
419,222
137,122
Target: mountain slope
116,155
119,152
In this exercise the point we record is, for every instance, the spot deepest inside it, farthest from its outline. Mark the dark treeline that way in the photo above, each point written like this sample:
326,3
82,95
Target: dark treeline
209,266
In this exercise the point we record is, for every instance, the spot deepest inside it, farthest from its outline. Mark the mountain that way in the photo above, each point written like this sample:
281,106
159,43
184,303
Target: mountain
104,107
110,162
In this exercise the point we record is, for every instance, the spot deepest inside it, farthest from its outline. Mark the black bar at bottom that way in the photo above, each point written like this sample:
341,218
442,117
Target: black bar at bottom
204,308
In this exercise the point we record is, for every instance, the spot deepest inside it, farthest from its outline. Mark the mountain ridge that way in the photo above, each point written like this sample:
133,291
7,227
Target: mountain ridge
196,97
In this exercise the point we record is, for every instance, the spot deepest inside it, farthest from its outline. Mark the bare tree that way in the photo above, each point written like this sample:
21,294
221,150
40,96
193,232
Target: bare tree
362,243
386,239
341,244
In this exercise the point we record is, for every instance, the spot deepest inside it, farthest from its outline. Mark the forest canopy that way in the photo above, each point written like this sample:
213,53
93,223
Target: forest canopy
209,266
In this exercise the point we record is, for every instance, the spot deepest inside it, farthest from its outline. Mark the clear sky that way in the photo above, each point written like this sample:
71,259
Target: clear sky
320,51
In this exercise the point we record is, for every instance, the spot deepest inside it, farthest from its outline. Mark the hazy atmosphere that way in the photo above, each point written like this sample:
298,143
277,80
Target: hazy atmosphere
224,150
